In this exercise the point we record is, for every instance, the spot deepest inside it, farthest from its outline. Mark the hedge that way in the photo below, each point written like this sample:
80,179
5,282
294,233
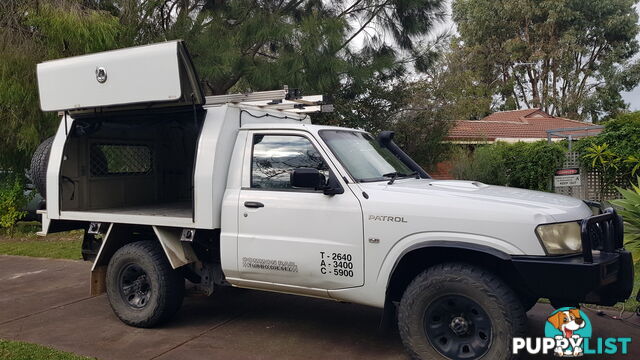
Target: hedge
523,165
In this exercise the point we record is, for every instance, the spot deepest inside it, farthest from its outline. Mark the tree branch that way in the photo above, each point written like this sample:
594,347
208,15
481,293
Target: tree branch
373,16
348,10
522,90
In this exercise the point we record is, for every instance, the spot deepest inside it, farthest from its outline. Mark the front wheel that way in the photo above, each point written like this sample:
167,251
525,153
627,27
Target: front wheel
459,311
143,289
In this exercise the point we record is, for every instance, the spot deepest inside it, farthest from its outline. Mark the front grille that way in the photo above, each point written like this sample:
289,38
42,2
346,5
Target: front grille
596,236
601,232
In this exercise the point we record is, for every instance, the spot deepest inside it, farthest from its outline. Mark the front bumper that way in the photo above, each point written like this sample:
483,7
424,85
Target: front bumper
568,279
602,274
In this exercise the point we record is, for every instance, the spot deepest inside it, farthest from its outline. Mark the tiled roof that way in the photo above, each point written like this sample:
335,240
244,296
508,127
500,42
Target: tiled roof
515,115
530,124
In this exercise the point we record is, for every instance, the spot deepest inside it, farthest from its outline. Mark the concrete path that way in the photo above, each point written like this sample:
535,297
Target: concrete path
46,301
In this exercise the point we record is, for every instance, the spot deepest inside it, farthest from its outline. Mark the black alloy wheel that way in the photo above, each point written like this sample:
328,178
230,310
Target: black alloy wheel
460,311
134,286
458,328
142,287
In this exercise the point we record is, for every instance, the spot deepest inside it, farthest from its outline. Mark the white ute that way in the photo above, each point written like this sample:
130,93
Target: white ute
242,190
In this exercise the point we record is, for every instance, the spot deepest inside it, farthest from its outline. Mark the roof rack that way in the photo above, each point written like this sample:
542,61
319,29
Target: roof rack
289,100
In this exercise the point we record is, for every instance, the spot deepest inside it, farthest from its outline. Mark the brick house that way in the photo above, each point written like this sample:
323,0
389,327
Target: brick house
510,126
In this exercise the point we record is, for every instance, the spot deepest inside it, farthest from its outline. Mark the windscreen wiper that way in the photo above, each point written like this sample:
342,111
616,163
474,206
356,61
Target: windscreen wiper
394,175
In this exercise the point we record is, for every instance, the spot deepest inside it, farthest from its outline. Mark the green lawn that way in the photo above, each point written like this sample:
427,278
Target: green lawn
17,350
60,249
22,240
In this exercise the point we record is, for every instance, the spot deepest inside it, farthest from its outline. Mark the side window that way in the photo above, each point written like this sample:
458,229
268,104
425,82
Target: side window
276,156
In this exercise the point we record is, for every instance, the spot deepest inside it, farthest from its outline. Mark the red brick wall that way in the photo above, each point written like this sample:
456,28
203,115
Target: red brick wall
443,171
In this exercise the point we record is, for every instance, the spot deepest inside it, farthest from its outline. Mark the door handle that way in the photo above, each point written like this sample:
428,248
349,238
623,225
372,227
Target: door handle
253,204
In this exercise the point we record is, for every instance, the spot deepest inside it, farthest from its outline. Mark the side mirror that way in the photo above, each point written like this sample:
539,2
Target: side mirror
333,186
306,178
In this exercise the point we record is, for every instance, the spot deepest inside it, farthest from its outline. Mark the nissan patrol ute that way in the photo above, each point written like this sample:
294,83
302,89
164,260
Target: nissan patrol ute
242,190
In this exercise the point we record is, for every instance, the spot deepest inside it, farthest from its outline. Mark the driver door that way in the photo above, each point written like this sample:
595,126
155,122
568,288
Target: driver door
293,236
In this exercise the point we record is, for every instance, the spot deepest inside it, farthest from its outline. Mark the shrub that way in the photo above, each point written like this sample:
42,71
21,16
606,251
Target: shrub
12,199
616,151
522,165
531,165
601,158
486,164
630,210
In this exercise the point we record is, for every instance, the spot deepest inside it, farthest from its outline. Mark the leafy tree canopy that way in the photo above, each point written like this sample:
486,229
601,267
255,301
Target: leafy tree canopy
332,47
31,32
571,58
310,44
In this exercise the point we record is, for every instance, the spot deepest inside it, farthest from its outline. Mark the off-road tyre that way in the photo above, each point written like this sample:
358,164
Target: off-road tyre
164,284
460,281
38,168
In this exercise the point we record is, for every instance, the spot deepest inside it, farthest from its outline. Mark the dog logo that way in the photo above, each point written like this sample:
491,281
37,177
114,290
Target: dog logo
567,333
569,327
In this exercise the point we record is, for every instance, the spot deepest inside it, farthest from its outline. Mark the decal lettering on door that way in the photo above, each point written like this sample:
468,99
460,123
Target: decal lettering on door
336,264
268,264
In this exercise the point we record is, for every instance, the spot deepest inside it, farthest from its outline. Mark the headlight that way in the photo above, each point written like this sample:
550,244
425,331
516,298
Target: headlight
562,238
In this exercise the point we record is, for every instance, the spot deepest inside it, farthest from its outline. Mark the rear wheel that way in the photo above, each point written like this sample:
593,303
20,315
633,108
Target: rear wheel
143,289
459,311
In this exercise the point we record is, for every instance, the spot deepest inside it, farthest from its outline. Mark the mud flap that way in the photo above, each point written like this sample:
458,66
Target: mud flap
178,252
116,236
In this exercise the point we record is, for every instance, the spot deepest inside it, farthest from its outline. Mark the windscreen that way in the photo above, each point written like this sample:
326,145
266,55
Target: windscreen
362,156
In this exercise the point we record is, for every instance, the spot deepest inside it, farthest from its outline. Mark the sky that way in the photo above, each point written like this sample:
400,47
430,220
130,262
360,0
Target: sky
631,97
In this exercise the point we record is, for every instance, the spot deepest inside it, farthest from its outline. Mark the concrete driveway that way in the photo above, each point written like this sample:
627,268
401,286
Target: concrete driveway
46,301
